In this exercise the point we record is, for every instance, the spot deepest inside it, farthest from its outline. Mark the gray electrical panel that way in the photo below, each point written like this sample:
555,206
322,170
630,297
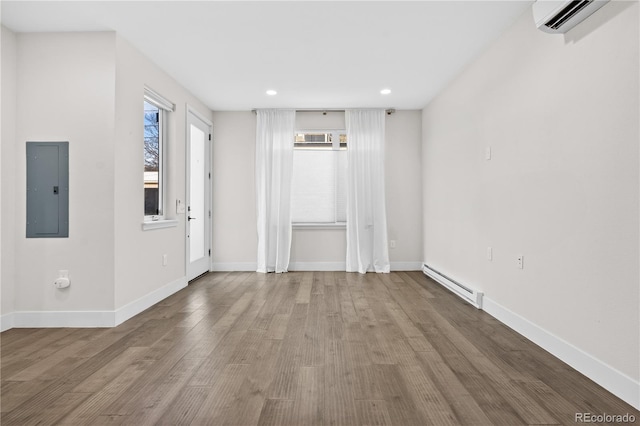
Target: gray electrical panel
47,189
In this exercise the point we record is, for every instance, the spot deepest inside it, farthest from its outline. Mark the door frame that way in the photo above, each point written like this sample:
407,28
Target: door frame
192,111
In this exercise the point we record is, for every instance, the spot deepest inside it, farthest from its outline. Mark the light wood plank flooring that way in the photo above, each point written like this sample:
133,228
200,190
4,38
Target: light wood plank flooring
302,348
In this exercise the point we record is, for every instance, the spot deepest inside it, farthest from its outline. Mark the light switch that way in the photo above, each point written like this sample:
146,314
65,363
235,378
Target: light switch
487,153
179,207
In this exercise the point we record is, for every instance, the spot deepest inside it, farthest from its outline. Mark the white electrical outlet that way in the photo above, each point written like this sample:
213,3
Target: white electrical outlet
63,279
487,153
520,261
489,253
165,259
392,243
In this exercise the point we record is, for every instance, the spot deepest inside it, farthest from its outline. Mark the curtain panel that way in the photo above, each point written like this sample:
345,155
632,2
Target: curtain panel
274,165
367,248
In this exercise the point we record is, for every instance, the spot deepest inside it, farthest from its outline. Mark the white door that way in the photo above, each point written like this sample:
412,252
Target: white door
198,196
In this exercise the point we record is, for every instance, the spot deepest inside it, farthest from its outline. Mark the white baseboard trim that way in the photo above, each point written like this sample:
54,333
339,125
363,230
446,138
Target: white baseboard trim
61,319
406,266
616,382
318,266
308,266
234,266
134,308
342,266
84,319
6,322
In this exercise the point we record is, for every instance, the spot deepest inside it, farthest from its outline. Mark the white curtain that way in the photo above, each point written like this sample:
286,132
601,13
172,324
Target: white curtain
274,164
366,213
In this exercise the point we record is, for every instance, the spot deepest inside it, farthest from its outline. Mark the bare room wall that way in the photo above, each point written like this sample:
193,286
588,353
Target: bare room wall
65,87
560,114
7,169
234,218
139,254
87,89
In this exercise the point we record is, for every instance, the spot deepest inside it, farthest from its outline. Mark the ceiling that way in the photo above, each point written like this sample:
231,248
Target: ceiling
315,54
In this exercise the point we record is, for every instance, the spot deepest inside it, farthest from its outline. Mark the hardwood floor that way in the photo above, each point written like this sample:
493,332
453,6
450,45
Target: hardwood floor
302,348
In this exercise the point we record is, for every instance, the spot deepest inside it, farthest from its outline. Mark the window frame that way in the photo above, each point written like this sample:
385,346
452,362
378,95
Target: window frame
335,146
164,108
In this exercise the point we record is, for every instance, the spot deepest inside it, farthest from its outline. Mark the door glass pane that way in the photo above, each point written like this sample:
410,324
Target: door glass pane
196,195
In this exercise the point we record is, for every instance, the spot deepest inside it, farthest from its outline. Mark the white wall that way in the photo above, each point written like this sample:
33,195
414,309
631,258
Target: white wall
235,240
138,261
66,86
7,169
403,168
234,218
87,88
561,116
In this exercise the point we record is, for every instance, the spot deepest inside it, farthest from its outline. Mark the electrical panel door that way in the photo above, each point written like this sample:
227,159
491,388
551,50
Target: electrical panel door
47,189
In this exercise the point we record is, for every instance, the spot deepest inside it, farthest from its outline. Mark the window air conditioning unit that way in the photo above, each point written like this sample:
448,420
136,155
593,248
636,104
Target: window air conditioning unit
559,16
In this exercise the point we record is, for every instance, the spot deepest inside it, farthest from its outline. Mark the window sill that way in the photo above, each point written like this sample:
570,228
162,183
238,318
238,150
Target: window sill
319,226
159,224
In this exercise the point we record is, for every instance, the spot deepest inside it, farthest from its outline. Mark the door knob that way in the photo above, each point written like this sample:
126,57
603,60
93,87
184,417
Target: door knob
191,218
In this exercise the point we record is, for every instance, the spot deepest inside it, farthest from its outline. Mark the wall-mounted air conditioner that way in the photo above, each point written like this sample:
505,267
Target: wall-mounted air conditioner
559,16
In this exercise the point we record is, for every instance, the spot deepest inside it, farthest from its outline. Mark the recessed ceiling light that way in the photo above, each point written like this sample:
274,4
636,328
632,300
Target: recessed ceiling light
385,91
271,92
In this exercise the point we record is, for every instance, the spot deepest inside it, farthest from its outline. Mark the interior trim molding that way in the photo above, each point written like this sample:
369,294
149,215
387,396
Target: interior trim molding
616,382
132,309
406,266
62,319
234,266
89,319
318,266
308,266
342,266
6,322
159,224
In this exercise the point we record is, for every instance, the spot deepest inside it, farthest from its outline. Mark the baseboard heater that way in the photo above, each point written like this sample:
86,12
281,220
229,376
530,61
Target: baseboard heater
470,295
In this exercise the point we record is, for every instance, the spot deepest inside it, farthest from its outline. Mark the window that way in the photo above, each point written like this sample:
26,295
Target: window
318,195
152,160
156,109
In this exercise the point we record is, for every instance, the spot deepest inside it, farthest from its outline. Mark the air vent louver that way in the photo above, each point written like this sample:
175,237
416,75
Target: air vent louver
567,13
559,16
